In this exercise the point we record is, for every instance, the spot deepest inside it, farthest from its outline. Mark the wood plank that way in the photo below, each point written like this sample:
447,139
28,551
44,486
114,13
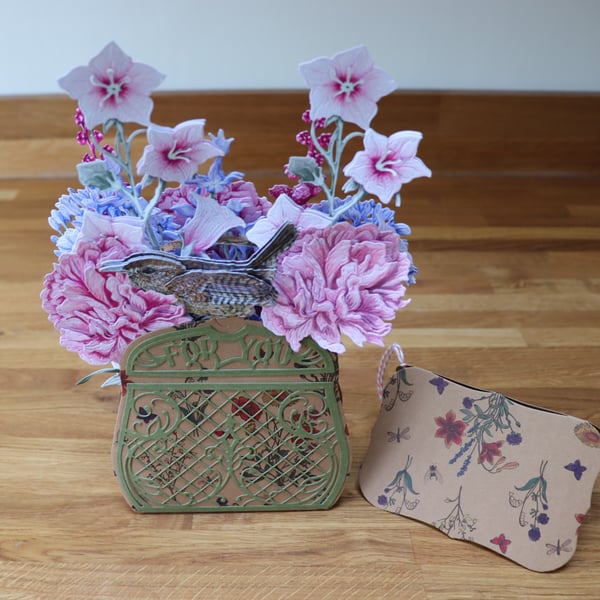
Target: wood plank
507,299
464,131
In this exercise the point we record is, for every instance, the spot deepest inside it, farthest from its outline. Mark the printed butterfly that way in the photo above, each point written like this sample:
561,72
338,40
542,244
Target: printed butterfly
440,384
576,468
502,542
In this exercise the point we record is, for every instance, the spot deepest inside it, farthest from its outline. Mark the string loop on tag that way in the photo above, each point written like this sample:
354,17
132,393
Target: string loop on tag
383,364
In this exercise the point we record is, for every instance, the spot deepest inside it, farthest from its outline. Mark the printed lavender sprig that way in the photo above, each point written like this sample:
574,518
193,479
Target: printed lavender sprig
481,424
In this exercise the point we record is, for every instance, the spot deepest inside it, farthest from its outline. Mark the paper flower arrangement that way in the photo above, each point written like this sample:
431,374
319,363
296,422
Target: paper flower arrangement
172,238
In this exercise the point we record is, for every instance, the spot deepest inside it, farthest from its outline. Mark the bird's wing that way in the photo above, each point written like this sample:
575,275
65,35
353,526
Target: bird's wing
221,287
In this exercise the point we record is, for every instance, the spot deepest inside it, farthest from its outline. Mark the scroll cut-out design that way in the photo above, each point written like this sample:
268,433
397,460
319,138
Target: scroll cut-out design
224,416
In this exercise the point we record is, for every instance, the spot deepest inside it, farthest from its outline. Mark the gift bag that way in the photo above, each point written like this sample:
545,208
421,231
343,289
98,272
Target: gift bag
480,466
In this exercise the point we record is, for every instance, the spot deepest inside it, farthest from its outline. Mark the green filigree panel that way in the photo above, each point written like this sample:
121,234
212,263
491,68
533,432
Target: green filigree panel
224,416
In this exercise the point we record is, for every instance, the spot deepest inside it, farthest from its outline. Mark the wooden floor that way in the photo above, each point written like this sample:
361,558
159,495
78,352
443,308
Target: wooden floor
508,298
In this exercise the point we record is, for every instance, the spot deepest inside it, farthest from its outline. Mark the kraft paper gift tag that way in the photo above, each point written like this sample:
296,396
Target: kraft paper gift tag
481,467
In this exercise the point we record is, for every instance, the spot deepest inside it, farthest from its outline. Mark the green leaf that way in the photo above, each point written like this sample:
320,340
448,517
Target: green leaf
409,484
97,174
544,491
529,485
99,372
402,375
468,414
306,168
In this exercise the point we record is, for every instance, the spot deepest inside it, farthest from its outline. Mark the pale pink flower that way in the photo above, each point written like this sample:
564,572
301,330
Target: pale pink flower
340,280
99,314
174,154
112,86
210,222
285,210
179,203
241,197
387,162
348,85
127,231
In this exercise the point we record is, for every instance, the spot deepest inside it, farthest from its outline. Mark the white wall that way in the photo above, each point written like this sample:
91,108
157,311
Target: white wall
244,44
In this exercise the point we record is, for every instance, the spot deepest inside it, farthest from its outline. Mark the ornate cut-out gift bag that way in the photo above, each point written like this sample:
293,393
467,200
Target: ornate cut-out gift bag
225,416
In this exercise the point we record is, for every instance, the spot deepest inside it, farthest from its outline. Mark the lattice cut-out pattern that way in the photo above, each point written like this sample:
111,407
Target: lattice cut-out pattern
224,416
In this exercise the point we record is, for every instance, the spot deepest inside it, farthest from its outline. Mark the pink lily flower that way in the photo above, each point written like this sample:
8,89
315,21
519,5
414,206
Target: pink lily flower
348,85
112,86
285,210
210,222
174,154
387,162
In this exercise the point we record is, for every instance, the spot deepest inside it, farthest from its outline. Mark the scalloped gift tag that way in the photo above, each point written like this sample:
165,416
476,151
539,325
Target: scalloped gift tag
481,467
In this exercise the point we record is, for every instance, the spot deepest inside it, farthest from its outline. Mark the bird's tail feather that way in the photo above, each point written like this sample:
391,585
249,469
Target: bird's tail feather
267,256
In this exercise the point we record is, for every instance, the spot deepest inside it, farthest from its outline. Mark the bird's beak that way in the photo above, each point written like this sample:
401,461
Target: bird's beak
112,266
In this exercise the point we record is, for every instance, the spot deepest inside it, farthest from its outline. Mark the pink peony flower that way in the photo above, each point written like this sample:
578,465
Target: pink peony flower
339,280
386,163
99,314
174,154
112,86
241,197
178,202
347,85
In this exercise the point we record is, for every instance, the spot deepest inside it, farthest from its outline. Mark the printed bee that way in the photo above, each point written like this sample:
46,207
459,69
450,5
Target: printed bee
433,474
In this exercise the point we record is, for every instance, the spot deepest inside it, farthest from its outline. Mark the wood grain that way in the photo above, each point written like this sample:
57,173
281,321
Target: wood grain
508,298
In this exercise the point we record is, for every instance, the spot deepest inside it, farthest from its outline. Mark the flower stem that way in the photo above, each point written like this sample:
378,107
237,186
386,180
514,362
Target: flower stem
160,187
348,205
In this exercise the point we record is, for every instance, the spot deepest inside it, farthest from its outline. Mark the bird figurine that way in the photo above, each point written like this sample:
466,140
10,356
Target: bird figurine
210,287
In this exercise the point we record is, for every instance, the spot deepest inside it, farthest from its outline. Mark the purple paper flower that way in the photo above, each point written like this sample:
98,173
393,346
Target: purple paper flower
174,154
339,280
112,86
67,215
386,163
348,85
